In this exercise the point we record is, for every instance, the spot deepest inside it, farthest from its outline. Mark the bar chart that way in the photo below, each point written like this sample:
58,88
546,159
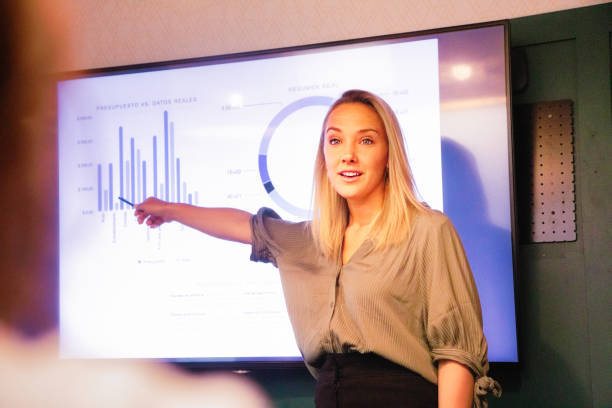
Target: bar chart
138,178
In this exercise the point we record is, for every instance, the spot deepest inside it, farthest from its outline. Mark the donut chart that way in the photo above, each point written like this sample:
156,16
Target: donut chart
265,144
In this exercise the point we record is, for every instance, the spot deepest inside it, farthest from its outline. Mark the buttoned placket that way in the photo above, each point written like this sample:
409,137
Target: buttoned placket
332,307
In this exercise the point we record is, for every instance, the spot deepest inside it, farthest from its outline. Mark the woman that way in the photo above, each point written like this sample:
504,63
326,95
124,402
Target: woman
378,289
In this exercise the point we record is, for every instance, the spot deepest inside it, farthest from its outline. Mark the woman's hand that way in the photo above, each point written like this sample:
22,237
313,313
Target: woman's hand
153,211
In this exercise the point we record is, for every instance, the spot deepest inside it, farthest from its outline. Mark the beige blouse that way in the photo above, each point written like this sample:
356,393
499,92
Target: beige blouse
413,303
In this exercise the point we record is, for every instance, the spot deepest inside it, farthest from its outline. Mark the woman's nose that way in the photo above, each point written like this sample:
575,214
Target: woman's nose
348,155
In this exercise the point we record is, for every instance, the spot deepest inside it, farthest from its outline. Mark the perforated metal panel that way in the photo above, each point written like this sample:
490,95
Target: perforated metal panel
545,171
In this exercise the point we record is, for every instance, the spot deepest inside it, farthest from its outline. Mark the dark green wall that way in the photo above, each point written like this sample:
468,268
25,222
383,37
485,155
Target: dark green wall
565,301
564,297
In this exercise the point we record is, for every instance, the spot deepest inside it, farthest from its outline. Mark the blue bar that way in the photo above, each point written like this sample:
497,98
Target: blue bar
172,161
138,179
144,179
178,180
167,197
110,186
132,184
190,202
127,176
99,187
155,166
121,165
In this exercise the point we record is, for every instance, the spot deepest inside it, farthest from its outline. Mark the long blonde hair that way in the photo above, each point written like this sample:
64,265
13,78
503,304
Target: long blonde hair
331,213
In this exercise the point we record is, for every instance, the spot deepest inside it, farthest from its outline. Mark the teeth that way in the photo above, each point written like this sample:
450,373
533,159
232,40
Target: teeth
350,173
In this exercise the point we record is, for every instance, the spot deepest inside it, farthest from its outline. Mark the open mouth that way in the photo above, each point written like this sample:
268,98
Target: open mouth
350,174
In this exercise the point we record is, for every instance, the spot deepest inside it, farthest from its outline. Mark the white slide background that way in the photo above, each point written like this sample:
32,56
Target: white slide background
127,291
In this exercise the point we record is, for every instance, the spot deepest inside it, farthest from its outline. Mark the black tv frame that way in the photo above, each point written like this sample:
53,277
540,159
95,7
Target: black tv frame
264,364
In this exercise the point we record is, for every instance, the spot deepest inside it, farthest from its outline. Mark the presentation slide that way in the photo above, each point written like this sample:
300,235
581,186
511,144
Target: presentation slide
239,134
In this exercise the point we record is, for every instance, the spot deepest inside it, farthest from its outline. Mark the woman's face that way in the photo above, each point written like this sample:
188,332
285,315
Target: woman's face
355,150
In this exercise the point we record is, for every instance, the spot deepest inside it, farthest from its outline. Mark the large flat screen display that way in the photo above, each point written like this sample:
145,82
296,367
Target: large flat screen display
241,131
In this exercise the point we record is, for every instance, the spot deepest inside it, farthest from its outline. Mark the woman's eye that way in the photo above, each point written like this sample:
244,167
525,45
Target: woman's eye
367,140
333,140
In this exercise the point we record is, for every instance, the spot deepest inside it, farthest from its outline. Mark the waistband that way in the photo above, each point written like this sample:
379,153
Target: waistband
360,361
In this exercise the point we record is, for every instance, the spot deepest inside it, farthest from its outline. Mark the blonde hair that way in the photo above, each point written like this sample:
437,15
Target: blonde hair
331,213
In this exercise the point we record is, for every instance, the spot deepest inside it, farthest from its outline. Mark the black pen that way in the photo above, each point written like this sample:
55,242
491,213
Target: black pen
126,201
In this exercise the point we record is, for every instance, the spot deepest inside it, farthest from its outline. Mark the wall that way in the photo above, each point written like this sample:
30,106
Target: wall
565,313
124,32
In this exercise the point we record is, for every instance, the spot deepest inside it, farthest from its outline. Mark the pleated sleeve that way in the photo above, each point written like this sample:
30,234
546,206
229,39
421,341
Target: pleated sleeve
454,317
265,236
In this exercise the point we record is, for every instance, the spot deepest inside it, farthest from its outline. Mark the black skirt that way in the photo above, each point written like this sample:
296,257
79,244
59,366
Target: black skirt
367,380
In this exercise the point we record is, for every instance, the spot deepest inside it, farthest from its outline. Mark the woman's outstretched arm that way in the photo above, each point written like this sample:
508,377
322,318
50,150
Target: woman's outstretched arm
224,223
